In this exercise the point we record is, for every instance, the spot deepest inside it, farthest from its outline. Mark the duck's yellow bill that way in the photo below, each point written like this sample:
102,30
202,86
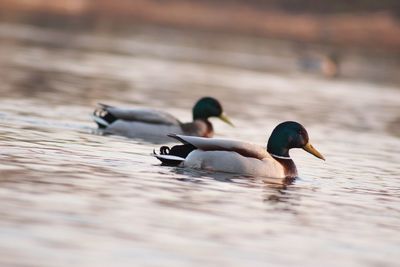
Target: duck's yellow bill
225,119
310,149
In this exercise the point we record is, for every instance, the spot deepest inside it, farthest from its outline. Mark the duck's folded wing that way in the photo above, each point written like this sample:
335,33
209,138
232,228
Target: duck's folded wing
219,144
141,115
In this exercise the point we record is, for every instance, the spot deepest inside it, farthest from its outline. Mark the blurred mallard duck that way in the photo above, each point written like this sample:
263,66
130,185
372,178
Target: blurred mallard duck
240,157
154,125
327,64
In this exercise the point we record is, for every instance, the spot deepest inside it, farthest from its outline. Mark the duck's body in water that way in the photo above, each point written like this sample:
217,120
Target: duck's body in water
240,157
149,124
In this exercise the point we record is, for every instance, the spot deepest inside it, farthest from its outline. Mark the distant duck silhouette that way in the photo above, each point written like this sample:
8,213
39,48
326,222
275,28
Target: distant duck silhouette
327,64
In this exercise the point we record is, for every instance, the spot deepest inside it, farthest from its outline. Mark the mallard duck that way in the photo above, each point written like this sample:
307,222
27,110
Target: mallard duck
232,156
152,124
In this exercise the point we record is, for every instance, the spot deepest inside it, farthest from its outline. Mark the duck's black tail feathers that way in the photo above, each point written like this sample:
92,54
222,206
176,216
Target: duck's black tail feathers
102,117
175,155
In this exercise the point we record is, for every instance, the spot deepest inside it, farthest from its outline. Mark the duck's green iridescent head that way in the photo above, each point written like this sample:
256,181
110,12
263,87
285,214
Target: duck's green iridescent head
289,135
207,107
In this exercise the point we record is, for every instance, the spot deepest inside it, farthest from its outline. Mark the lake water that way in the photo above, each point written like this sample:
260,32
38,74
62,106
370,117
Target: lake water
70,196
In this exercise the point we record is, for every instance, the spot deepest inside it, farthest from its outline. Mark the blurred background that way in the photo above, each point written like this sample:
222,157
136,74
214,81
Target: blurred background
357,39
71,196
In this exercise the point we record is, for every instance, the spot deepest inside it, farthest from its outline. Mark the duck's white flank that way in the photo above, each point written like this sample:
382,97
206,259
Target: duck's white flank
137,129
233,162
232,156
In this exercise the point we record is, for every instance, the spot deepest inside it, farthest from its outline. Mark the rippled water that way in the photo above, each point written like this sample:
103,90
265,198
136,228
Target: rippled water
71,196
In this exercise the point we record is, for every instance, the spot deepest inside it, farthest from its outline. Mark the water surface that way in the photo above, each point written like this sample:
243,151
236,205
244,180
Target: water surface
72,196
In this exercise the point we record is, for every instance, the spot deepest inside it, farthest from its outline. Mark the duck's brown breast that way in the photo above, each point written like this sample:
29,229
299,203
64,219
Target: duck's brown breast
202,128
288,166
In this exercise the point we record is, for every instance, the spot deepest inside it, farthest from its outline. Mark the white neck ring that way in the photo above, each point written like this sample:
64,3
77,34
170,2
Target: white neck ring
280,157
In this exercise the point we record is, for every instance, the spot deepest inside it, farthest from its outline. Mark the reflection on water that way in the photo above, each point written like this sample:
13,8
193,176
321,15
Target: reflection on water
71,196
